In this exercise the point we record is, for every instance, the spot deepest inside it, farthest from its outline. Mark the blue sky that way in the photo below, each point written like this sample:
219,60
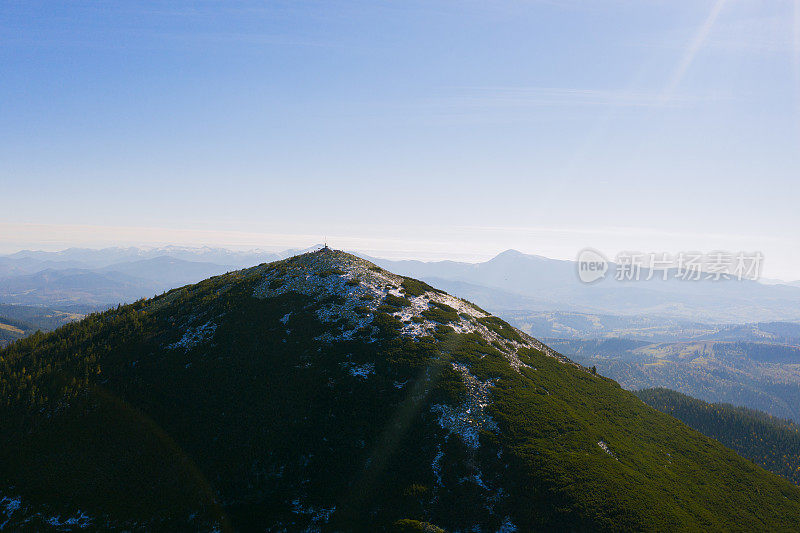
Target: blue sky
422,129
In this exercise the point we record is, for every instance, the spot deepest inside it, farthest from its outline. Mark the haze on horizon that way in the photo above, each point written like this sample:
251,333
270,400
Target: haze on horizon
406,129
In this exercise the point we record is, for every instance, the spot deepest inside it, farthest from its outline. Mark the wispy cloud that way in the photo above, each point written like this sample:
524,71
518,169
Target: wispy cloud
523,97
768,34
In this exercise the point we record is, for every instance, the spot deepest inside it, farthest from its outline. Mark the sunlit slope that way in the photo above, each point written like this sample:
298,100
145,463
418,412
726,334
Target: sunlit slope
769,441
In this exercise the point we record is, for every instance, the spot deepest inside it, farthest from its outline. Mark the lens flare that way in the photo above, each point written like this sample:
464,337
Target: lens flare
694,47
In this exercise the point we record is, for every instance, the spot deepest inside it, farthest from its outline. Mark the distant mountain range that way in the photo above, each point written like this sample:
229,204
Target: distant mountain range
570,325
82,280
28,261
324,393
512,283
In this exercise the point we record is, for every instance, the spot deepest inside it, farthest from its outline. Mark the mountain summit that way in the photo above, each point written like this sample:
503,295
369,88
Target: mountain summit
322,392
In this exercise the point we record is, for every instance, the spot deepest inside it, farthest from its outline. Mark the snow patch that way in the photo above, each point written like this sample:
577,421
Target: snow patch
507,526
436,465
11,506
349,291
80,520
362,371
469,418
348,288
423,326
476,478
195,336
319,515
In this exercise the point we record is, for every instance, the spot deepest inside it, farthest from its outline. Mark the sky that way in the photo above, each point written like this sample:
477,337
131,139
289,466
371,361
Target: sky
425,129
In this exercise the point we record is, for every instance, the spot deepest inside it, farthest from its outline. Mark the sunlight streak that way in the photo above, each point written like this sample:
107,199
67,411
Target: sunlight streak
694,47
796,53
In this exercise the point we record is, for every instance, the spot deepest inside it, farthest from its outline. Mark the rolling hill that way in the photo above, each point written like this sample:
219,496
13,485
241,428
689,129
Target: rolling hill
759,375
323,392
18,321
85,280
72,287
11,330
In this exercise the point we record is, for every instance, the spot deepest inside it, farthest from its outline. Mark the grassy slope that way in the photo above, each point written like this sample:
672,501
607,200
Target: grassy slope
771,442
11,330
263,417
664,476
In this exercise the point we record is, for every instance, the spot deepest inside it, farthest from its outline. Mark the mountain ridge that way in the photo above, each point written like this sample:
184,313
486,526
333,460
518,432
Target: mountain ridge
364,400
509,281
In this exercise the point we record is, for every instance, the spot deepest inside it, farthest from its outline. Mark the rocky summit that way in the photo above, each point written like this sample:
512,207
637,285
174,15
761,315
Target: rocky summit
323,393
